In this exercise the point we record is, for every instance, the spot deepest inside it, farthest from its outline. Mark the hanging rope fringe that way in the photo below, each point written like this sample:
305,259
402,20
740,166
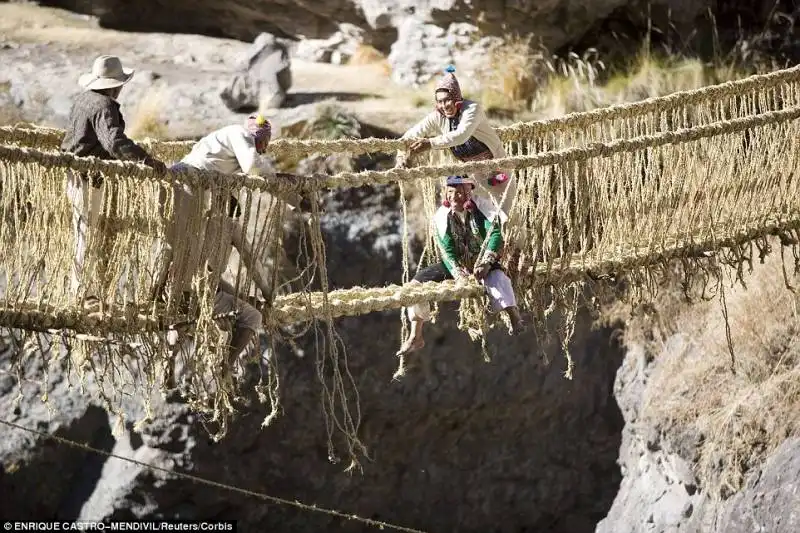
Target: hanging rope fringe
608,202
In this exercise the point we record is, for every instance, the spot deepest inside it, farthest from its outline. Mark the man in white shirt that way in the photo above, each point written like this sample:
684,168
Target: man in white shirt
214,234
232,149
462,127
237,149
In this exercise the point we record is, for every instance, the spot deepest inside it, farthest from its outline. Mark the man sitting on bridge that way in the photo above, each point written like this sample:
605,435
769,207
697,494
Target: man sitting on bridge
461,226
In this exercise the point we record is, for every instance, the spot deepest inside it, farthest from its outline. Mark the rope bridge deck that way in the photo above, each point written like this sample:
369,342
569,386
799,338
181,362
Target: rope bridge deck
694,179
296,308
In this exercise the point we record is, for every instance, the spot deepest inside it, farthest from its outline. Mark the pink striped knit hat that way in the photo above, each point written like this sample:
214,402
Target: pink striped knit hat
449,83
259,127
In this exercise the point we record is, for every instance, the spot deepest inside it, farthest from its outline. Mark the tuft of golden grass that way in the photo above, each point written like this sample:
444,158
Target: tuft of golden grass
509,80
581,83
11,115
147,121
365,54
741,416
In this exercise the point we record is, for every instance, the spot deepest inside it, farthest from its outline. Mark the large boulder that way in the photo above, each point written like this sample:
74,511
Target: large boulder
263,79
556,23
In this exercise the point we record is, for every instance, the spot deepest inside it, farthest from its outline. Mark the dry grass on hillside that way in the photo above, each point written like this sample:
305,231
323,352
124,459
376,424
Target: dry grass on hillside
509,80
147,121
365,54
741,416
10,115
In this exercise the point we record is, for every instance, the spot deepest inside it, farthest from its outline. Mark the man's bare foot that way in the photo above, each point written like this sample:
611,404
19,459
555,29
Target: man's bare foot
412,344
517,325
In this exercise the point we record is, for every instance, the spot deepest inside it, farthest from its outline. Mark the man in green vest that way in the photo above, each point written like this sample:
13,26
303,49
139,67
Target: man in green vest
462,224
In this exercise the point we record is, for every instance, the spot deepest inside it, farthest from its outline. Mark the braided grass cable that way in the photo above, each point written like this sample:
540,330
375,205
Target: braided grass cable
358,301
658,104
568,126
199,178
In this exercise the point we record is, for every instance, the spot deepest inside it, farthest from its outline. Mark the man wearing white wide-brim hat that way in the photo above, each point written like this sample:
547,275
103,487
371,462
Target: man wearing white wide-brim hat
96,128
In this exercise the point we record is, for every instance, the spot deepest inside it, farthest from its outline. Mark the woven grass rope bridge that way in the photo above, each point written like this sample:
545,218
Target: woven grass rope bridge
607,203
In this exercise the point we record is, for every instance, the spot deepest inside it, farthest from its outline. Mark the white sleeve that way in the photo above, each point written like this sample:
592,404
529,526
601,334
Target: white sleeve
244,149
470,119
427,126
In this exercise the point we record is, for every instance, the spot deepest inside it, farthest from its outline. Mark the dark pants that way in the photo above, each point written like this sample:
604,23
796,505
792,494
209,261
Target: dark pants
436,272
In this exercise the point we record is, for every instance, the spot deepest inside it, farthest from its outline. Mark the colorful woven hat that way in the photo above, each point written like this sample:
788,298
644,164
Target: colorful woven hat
450,84
259,127
460,180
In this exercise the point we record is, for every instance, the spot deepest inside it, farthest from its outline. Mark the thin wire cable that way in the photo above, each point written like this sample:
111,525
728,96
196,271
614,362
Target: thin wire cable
274,499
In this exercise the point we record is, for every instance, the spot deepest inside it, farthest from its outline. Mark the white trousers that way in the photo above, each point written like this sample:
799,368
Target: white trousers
498,285
87,202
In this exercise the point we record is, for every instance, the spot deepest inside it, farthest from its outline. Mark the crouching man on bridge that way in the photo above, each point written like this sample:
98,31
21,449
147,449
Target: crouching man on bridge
461,226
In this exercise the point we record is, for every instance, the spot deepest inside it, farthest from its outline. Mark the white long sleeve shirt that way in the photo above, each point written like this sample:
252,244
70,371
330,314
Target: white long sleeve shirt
473,123
228,150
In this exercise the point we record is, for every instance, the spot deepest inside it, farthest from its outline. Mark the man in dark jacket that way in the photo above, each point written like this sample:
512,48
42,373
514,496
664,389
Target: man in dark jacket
96,128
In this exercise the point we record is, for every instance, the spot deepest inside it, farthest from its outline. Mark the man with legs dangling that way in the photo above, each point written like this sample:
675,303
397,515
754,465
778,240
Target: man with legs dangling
461,227
214,235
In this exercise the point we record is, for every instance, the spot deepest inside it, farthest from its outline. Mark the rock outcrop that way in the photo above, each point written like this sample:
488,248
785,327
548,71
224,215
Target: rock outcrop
419,34
680,473
659,492
263,79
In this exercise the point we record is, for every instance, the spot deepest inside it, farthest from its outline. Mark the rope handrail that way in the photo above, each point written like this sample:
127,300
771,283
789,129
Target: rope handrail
204,178
506,133
655,103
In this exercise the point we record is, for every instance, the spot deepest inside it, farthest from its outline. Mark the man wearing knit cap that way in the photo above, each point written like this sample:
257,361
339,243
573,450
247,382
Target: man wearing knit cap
462,127
237,149
470,244
232,149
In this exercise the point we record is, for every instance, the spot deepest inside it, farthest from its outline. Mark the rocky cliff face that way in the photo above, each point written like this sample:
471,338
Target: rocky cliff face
660,493
671,470
423,36
458,444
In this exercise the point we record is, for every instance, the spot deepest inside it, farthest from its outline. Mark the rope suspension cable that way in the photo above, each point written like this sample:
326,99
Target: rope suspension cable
312,508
